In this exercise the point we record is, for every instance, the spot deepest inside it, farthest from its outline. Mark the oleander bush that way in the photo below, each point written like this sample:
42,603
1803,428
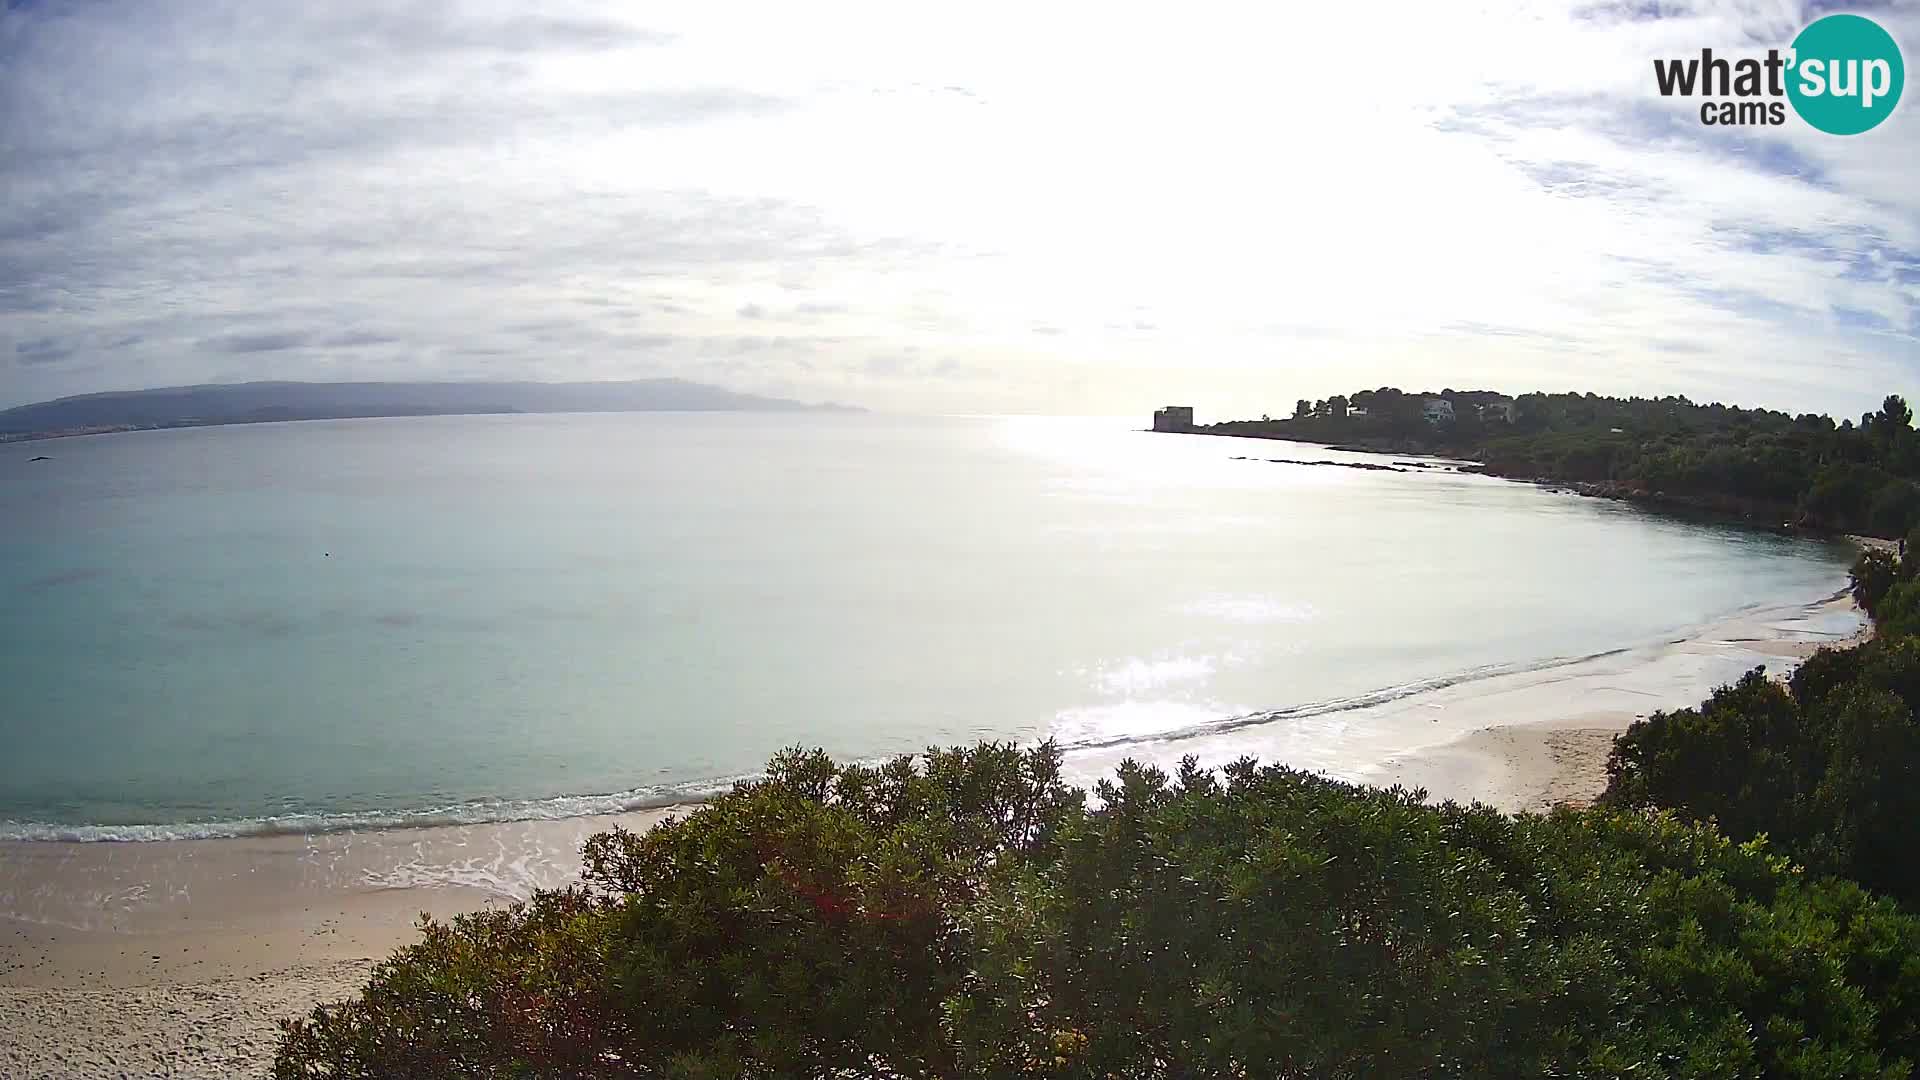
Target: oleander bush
966,914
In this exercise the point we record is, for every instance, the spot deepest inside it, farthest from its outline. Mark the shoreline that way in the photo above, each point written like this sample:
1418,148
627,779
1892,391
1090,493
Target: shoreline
179,957
1536,766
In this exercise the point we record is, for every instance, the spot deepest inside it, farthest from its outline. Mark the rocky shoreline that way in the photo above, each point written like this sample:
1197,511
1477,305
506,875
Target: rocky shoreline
1758,513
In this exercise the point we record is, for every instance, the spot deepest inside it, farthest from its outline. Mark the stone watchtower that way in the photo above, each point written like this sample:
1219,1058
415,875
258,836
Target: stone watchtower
1173,418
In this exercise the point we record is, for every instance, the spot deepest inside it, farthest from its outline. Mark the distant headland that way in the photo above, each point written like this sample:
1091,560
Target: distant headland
1760,465
267,402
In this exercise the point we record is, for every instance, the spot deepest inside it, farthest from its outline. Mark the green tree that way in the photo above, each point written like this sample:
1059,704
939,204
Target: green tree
965,914
1895,420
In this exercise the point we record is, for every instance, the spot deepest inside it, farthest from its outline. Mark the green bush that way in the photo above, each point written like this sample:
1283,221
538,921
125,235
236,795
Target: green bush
1898,612
1742,758
1824,765
1873,574
965,914
803,925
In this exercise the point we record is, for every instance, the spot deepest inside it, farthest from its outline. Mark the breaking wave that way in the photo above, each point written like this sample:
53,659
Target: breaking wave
470,813
1368,700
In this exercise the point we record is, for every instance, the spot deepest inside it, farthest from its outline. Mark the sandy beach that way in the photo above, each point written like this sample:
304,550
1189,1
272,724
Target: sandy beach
1535,766
177,958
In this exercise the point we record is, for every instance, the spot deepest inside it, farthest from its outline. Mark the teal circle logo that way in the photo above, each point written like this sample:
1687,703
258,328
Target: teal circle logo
1847,74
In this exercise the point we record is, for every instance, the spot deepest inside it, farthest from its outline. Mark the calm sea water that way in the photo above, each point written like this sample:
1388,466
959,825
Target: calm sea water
376,621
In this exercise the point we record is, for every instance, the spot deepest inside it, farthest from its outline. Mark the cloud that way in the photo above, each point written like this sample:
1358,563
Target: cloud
920,210
41,351
249,343
353,339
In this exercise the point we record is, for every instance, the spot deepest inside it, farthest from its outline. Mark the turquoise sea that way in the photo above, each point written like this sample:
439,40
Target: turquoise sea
373,622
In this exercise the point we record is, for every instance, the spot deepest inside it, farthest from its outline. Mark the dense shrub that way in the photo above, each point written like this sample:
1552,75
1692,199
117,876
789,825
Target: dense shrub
1898,612
1825,765
1756,463
1742,758
804,925
1874,573
1274,924
965,914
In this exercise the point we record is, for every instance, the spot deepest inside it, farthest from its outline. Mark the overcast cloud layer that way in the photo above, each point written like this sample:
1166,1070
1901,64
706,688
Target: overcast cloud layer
994,208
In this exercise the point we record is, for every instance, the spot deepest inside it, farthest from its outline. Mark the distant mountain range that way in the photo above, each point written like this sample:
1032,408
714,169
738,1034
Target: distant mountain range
263,402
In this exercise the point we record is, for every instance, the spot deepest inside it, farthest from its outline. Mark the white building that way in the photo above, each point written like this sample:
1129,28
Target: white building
1497,410
1438,410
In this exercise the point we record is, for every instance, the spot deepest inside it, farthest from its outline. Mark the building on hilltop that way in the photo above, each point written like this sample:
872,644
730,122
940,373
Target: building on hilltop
1438,410
1173,418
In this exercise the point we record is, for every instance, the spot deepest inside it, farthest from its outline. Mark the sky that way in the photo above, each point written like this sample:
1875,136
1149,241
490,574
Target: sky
980,207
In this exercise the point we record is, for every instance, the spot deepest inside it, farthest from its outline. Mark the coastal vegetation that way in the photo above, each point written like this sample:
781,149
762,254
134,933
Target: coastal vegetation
966,914
1770,467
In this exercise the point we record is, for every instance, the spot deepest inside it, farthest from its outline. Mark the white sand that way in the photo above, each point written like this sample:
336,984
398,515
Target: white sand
178,958
217,1027
1536,765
